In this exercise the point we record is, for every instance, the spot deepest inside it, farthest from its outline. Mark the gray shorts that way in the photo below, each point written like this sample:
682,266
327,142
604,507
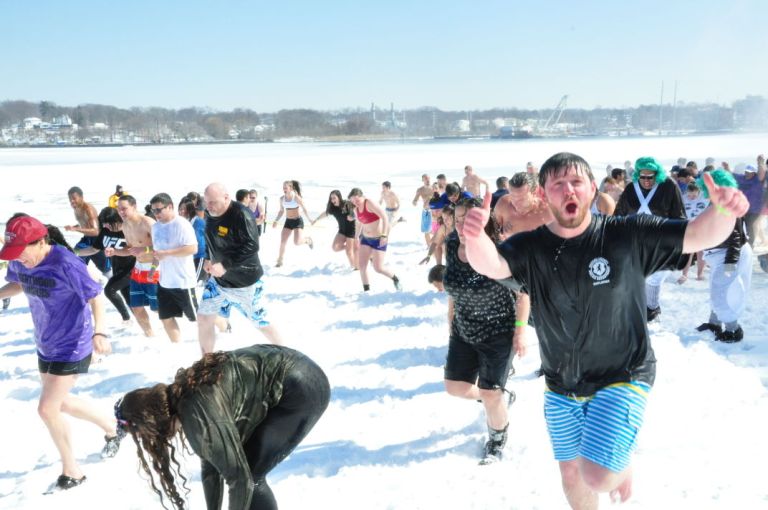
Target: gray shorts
218,300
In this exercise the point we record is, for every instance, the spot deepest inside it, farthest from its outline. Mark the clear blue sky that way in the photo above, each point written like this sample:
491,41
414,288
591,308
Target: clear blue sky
329,54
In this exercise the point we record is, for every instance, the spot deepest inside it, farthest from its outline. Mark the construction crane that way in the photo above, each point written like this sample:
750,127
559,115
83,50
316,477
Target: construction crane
556,114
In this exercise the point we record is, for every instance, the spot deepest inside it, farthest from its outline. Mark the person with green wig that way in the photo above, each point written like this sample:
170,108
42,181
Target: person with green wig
652,192
731,273
577,270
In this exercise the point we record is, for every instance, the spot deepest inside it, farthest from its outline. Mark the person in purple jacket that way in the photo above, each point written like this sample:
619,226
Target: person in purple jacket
68,316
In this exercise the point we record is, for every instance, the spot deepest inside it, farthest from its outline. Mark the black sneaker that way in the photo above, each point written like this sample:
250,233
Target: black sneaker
112,444
708,326
396,281
64,483
653,313
730,337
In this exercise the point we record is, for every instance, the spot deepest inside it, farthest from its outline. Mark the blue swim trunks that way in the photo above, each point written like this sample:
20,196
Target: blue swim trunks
426,221
602,428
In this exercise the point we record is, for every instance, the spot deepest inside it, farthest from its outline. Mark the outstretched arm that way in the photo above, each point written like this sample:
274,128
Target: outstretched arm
481,250
716,223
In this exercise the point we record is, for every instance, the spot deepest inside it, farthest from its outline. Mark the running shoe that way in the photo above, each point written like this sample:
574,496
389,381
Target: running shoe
730,337
112,444
653,313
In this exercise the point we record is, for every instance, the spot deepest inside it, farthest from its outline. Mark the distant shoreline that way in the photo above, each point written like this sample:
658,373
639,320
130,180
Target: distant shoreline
381,139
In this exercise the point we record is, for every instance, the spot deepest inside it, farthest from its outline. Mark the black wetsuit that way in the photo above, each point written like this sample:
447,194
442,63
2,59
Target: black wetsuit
587,295
267,400
233,240
119,283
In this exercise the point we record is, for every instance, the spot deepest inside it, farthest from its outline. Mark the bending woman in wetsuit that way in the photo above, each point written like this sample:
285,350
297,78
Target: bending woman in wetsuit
289,205
343,211
242,412
373,228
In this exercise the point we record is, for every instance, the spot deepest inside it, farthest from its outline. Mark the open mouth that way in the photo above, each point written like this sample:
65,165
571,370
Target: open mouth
571,208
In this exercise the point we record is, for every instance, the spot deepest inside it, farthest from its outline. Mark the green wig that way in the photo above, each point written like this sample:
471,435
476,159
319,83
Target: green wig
649,163
721,177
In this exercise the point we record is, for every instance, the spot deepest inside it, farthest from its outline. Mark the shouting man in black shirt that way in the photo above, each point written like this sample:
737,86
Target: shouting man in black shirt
232,242
578,270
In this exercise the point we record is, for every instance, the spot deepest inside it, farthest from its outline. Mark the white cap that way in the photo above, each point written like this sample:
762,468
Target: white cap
709,161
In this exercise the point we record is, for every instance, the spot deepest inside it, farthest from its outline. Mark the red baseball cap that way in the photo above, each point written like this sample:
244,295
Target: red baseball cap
19,233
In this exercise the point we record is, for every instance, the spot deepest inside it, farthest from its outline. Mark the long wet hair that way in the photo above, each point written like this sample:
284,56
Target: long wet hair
150,416
343,206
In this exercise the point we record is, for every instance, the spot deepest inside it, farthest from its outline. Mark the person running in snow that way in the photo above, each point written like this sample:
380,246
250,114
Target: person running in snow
290,203
343,211
68,316
484,331
111,238
578,270
232,241
372,225
731,275
242,412
425,192
391,203
88,225
653,193
520,210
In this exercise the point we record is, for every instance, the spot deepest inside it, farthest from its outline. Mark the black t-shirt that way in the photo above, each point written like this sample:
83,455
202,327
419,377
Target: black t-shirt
482,307
110,239
342,215
233,240
588,296
667,201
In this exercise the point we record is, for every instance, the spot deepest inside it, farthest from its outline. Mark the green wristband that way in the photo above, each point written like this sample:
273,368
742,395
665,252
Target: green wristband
520,324
722,210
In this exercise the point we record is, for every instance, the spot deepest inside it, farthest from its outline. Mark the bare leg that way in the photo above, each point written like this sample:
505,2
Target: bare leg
172,328
600,479
577,492
206,333
299,239
284,234
142,317
493,401
700,265
272,335
222,324
54,393
378,264
363,255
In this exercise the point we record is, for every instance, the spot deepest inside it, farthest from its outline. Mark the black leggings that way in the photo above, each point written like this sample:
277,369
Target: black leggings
117,286
306,393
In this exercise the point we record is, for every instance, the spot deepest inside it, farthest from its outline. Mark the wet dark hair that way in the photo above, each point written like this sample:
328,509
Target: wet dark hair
436,273
519,180
128,198
618,174
558,164
162,198
149,415
241,194
452,188
355,192
329,207
187,208
501,182
387,184
109,216
692,186
684,172
75,190
295,185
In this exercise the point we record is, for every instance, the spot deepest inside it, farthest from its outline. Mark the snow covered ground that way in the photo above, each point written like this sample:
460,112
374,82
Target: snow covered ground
391,438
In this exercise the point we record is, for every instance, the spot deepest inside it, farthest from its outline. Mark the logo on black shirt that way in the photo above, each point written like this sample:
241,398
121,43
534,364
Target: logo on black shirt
599,269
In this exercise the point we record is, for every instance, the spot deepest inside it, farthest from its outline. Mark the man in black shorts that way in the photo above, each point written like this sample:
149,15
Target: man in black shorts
174,244
578,270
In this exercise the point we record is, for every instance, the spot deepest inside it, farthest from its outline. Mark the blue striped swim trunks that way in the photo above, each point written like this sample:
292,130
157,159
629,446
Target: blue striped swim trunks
601,428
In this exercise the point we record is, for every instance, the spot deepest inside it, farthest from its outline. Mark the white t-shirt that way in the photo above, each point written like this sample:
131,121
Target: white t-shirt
175,272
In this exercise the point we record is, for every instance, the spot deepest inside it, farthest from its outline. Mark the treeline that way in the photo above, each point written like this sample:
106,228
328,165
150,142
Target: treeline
159,124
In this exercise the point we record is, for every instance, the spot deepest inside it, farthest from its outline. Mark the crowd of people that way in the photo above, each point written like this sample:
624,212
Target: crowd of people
551,248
